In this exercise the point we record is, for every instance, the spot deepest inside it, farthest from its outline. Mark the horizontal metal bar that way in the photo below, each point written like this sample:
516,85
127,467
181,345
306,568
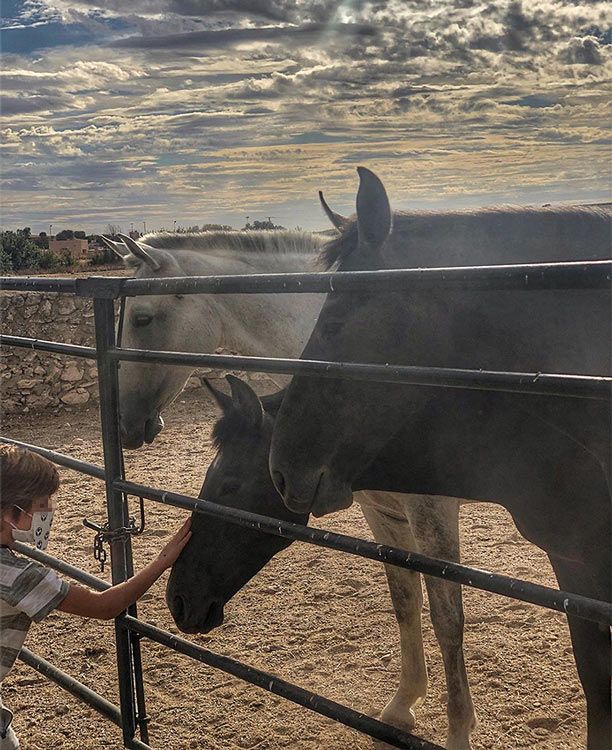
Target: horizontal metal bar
37,284
78,690
82,576
524,276
317,703
515,588
84,467
595,274
580,386
74,350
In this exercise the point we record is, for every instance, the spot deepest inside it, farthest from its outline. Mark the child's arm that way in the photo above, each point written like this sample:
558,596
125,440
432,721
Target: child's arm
105,605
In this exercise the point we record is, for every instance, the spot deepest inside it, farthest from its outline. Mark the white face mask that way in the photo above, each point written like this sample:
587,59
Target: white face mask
38,533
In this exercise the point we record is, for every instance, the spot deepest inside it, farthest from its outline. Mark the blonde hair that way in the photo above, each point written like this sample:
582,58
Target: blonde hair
24,476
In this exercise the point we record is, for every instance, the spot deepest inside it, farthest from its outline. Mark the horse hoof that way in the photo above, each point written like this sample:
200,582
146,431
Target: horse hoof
404,719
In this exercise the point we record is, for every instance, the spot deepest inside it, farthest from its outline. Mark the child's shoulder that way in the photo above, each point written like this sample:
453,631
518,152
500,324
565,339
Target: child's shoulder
11,565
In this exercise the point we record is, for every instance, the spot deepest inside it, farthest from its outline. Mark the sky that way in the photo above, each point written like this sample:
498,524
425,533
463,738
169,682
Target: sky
200,111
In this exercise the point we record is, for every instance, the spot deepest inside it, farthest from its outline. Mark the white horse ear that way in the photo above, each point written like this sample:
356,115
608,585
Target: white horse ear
374,217
339,221
117,247
140,250
246,400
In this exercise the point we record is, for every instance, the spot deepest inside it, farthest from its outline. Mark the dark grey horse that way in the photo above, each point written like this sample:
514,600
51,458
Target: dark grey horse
546,459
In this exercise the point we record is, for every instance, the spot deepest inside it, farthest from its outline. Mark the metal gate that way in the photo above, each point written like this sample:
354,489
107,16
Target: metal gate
129,630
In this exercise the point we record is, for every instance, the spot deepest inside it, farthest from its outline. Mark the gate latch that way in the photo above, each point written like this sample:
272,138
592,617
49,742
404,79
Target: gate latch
105,535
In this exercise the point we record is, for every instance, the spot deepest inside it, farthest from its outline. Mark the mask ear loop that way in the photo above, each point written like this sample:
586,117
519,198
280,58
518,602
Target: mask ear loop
11,524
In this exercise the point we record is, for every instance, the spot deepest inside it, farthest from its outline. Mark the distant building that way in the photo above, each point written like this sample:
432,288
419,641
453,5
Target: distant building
77,248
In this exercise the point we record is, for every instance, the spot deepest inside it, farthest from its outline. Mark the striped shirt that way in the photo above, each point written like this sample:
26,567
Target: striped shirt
28,592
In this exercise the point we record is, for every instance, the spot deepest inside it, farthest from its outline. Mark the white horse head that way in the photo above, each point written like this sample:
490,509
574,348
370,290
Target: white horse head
274,325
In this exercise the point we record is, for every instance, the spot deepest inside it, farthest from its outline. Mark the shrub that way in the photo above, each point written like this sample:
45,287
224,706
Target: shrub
48,260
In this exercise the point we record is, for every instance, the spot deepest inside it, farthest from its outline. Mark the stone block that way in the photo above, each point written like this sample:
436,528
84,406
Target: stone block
75,398
72,373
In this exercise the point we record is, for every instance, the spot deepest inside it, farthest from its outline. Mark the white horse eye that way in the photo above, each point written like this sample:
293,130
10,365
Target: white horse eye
142,319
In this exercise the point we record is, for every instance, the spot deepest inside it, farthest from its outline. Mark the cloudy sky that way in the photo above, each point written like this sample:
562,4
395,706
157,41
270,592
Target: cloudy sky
211,110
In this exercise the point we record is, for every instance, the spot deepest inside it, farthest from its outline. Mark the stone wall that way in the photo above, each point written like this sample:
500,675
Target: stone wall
33,380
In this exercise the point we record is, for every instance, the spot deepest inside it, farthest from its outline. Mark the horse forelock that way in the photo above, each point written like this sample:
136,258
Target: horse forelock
335,250
231,423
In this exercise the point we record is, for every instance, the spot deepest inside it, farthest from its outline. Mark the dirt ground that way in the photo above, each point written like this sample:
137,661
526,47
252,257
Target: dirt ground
315,617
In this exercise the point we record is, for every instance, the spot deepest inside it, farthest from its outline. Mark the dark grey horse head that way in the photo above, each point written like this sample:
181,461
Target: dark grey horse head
345,326
222,557
329,431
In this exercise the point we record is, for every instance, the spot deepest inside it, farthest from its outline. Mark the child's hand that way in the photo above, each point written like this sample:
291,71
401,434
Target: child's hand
175,546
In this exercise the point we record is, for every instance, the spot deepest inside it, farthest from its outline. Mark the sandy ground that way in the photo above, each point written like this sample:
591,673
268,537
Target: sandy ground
316,617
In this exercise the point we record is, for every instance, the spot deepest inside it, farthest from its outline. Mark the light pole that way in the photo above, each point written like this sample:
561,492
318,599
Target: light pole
174,226
144,227
50,230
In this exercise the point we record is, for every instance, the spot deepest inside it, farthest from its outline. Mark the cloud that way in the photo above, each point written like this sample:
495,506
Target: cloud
221,106
584,50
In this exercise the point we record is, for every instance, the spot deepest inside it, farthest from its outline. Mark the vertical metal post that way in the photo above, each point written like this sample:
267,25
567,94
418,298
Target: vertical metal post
131,690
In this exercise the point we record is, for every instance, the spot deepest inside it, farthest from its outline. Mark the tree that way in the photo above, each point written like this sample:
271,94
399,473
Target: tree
17,250
268,224
215,228
41,240
65,234
80,235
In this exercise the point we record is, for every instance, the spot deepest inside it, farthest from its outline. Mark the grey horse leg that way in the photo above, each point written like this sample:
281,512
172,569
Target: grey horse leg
407,598
435,524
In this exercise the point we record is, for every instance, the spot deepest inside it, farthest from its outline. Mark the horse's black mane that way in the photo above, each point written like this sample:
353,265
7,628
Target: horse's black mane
233,421
338,248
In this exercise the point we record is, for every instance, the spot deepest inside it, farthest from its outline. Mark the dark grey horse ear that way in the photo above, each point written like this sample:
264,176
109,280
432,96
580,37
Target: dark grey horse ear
339,221
374,217
140,251
246,400
224,401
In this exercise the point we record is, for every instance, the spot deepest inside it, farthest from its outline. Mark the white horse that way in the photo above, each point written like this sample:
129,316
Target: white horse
279,325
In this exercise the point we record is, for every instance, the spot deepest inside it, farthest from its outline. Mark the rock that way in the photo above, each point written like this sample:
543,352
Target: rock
39,401
74,398
65,305
46,308
72,372
26,385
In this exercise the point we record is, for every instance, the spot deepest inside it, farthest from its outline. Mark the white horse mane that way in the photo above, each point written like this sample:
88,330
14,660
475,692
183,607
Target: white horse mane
275,242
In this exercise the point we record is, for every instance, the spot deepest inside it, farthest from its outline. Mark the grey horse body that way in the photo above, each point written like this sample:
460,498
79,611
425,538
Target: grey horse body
545,459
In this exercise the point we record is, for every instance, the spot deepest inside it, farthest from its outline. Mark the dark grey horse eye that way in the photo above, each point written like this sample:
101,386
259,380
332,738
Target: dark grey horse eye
142,319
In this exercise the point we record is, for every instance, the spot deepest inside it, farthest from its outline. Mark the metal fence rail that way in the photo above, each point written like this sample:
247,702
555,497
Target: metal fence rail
128,629
535,383
495,583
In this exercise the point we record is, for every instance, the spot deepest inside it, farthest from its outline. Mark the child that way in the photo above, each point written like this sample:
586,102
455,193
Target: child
30,591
